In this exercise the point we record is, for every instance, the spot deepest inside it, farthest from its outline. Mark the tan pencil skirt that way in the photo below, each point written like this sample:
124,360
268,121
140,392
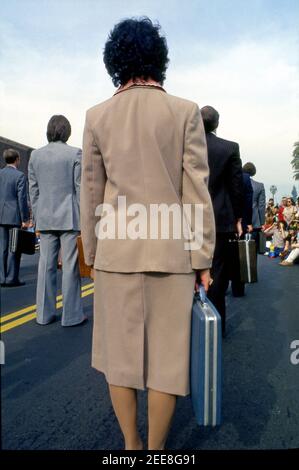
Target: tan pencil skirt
141,333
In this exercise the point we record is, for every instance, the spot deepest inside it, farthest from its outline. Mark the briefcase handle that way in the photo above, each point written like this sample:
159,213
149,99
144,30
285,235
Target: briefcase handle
248,237
201,294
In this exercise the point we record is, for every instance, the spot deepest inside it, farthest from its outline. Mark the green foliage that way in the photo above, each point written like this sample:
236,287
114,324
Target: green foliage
294,193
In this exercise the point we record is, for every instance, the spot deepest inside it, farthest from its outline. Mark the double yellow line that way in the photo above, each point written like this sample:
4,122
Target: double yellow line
29,313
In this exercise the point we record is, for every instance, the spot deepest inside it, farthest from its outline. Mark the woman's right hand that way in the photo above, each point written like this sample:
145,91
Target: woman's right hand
239,228
203,277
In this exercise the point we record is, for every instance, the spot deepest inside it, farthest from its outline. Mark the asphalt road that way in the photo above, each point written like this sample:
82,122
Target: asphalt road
52,399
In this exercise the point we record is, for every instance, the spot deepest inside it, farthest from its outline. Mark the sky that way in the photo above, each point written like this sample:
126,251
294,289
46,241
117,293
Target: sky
236,55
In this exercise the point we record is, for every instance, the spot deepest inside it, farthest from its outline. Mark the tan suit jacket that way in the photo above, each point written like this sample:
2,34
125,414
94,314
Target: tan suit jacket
149,146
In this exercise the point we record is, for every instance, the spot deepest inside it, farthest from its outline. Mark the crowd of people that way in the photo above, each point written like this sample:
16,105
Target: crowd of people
281,229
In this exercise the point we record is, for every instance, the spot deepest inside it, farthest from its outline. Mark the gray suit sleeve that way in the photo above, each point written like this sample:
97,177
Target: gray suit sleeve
262,205
77,175
22,198
33,189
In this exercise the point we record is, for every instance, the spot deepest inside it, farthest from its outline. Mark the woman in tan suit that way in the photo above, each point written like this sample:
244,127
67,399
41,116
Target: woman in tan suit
144,149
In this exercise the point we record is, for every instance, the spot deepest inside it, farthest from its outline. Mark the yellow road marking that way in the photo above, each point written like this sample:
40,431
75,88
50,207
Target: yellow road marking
31,316
10,316
18,322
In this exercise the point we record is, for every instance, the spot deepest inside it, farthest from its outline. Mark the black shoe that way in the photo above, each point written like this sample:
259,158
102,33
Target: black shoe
15,284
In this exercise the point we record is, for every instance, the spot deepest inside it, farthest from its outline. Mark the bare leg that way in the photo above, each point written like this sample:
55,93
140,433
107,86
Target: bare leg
161,407
124,401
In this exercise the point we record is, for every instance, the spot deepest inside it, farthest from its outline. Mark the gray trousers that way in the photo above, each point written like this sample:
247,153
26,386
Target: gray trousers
50,244
9,262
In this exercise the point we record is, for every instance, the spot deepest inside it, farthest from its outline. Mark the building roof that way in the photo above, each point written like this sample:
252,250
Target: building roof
24,150
13,144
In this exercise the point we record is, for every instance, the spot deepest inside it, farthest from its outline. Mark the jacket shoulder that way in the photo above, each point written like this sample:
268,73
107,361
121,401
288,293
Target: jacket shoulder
183,102
37,151
74,150
20,174
99,108
226,142
257,183
14,174
68,148
182,106
247,179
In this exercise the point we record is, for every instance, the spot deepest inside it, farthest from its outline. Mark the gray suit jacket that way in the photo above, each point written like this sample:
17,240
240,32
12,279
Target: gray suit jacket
13,197
259,204
54,186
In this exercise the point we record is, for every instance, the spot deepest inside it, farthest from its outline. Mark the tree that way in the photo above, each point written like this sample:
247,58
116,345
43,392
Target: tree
295,160
294,193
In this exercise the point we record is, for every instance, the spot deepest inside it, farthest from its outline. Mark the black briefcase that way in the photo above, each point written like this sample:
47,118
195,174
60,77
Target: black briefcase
248,260
21,241
262,247
243,261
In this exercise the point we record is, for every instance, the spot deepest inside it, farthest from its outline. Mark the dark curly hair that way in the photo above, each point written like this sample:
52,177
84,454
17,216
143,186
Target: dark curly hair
135,49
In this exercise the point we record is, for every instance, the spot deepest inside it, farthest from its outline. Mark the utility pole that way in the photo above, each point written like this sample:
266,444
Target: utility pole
273,190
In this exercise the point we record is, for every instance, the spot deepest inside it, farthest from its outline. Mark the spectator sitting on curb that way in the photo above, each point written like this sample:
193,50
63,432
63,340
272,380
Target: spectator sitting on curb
292,256
278,231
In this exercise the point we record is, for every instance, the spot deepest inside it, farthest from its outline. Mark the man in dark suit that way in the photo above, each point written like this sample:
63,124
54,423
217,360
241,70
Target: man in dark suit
258,203
226,189
14,212
238,287
247,204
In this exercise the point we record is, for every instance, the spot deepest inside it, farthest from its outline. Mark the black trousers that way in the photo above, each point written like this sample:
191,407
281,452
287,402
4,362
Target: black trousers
220,274
256,237
9,262
238,287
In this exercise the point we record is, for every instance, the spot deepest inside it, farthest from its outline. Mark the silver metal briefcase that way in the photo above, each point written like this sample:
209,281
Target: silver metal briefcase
206,361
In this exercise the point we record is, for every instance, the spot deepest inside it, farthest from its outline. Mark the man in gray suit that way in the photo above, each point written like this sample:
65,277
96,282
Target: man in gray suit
14,212
54,188
258,203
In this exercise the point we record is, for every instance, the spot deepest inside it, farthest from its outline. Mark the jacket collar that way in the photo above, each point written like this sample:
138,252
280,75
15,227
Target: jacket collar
153,87
58,142
212,134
